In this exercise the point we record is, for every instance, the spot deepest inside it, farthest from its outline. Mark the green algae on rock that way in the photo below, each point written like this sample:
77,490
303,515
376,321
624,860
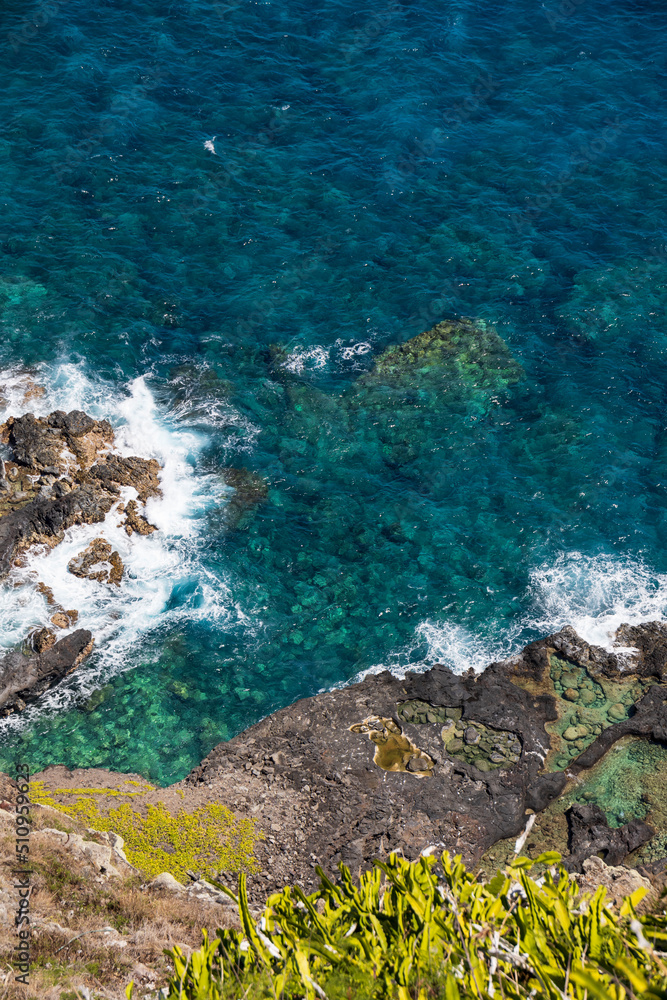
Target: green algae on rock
588,705
429,393
421,712
483,747
479,745
462,357
626,785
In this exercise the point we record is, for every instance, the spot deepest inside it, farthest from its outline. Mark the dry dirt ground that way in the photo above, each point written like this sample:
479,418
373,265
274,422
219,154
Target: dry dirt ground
93,931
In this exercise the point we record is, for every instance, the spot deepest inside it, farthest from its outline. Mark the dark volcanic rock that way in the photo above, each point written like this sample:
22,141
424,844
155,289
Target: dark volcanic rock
325,793
61,472
45,520
23,678
44,443
352,774
590,834
141,473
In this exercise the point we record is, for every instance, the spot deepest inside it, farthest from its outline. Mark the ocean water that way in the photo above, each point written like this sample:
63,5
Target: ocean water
215,216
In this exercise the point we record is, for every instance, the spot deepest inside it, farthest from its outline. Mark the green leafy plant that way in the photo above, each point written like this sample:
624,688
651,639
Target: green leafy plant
407,932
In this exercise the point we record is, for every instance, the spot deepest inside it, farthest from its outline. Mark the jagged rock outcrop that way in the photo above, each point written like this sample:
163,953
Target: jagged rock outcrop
318,786
24,677
98,562
591,835
58,443
62,472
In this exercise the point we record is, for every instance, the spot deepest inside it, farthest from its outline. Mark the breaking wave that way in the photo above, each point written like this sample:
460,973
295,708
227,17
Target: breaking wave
593,594
166,579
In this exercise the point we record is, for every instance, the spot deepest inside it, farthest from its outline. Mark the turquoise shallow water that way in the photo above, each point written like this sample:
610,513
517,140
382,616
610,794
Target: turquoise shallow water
184,187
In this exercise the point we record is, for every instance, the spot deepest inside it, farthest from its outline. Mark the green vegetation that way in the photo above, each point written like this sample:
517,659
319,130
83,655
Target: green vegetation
406,933
209,840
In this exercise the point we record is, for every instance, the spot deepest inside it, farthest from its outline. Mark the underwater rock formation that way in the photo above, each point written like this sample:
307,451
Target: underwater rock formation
460,357
23,678
250,490
437,384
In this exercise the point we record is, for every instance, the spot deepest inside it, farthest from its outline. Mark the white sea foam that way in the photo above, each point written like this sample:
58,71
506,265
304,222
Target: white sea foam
593,594
314,359
165,579
310,359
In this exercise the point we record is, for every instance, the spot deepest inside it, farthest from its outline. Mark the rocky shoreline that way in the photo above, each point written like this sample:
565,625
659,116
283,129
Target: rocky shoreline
564,742
412,764
62,471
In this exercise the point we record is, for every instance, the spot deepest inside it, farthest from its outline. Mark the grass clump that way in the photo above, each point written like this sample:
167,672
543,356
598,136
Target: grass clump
209,840
406,932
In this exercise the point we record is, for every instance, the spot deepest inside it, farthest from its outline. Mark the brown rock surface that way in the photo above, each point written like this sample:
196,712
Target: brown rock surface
617,880
23,678
42,639
135,522
62,473
98,562
58,443
60,620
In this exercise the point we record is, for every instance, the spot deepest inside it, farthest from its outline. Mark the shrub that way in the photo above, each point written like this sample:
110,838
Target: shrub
407,934
209,840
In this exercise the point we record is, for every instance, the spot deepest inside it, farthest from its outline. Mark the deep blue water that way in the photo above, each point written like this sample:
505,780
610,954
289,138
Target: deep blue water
187,187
